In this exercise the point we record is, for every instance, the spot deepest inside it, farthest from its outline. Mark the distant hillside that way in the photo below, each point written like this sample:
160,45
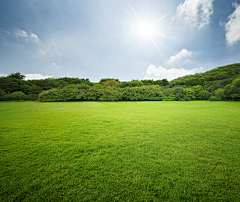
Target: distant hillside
227,73
221,83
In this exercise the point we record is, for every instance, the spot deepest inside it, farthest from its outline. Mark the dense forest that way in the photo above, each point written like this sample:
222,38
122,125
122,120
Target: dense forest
221,83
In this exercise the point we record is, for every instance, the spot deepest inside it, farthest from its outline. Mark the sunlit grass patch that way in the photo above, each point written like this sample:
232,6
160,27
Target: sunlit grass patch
120,151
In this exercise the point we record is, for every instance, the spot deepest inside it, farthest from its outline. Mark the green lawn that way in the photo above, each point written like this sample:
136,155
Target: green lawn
120,151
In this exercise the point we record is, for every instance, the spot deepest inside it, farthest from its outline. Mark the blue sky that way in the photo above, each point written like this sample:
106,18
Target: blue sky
124,39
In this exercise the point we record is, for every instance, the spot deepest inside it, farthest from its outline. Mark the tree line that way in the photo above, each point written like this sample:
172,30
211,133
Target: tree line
221,83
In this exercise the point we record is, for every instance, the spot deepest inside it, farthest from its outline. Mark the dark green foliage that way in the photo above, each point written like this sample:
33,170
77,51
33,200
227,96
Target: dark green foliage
102,93
206,94
217,82
224,72
179,93
233,91
10,85
61,83
214,98
194,81
219,93
25,88
46,84
18,95
171,97
108,79
2,93
142,93
134,83
34,89
110,83
217,74
214,85
65,81
16,75
32,97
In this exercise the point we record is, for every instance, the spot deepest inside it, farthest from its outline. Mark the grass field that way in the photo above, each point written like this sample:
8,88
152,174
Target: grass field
120,151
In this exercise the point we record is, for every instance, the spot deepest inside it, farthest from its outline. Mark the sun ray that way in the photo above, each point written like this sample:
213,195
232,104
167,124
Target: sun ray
143,28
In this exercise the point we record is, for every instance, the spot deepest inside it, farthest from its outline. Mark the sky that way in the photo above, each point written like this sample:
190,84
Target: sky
121,39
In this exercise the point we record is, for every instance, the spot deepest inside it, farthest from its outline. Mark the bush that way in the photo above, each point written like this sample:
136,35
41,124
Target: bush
18,95
103,93
219,93
206,95
214,98
32,97
171,97
6,97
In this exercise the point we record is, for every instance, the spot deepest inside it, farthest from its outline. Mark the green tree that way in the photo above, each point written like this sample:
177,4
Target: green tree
34,89
32,97
2,93
110,83
198,92
16,75
194,81
9,85
235,89
219,93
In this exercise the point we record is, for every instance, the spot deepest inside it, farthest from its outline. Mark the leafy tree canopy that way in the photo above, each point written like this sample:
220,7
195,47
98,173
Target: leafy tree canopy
16,75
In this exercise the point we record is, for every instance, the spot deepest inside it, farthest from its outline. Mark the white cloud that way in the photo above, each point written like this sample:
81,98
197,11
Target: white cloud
182,54
21,34
36,76
188,61
154,72
232,27
34,37
43,52
55,65
196,12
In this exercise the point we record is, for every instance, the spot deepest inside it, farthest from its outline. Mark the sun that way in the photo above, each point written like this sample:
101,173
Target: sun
145,29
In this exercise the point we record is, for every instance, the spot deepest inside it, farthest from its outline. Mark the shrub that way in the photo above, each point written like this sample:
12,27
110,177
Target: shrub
206,95
102,93
32,97
219,93
171,97
214,98
18,95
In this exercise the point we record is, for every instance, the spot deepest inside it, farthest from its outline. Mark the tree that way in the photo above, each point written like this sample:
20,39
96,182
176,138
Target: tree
110,83
108,79
9,85
235,89
16,75
34,89
198,92
219,93
2,93
195,81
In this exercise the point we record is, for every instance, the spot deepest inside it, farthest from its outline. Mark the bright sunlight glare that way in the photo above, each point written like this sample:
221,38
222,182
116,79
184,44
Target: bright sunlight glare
145,29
